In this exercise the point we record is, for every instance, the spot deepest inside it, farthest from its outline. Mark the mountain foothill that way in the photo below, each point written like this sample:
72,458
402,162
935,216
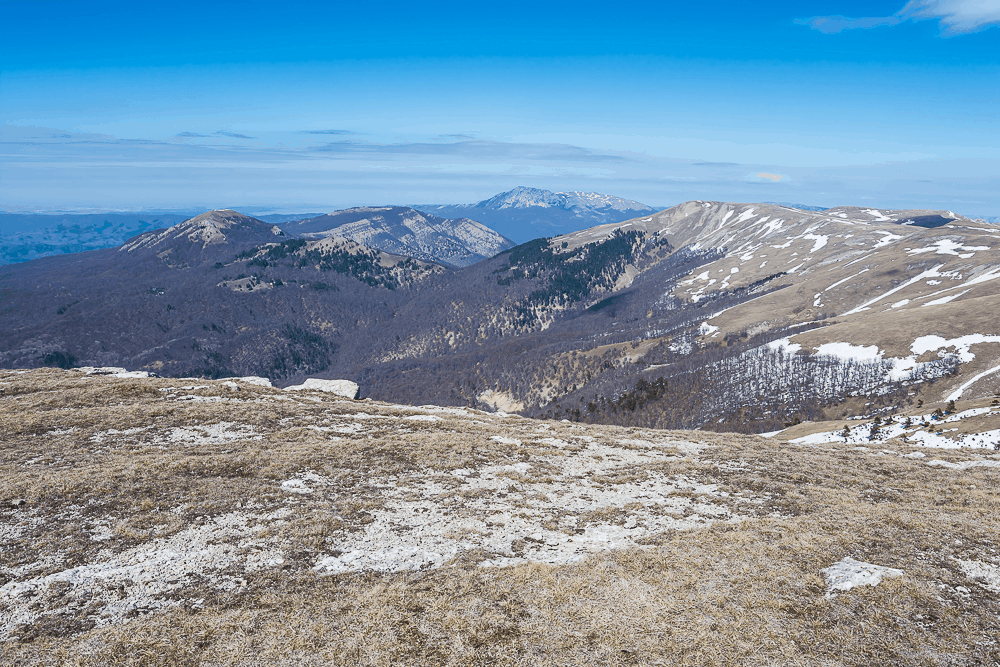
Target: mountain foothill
713,315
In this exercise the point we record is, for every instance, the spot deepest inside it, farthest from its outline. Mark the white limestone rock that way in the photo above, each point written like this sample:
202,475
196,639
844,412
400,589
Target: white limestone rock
344,388
255,380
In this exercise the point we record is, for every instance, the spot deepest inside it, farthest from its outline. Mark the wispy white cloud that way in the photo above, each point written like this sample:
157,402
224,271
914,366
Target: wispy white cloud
835,24
956,17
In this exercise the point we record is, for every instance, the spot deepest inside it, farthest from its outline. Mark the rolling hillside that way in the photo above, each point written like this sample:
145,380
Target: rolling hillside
721,316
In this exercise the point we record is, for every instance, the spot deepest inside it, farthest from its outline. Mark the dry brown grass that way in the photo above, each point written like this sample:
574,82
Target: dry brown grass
743,592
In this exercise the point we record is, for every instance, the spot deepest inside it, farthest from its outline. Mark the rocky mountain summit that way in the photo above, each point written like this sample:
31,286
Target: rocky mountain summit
203,238
405,231
527,213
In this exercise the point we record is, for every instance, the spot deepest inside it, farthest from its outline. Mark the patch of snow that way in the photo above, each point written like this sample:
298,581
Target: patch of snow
945,299
848,352
849,573
887,238
930,273
955,395
961,344
819,241
424,418
879,216
844,280
949,247
707,329
783,345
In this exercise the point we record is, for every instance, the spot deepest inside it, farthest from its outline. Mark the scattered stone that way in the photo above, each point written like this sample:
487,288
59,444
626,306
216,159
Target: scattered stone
114,371
984,574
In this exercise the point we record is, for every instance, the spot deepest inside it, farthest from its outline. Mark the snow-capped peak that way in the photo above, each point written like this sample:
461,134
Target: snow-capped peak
525,197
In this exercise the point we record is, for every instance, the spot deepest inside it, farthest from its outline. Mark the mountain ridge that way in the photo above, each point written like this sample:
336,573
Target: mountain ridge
403,230
708,314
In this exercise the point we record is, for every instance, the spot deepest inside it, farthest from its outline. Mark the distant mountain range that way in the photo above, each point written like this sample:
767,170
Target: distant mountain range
525,213
457,235
710,315
405,231
28,236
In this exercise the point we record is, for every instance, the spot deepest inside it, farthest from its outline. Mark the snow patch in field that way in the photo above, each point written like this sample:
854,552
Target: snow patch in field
844,280
848,352
819,241
955,395
887,239
961,344
784,345
879,216
930,273
945,299
849,573
949,247
707,329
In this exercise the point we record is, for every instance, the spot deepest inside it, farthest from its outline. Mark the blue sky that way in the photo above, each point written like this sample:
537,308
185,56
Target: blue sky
310,106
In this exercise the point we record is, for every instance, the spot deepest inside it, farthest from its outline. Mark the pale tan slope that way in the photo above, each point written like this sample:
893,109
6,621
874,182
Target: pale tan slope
871,280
